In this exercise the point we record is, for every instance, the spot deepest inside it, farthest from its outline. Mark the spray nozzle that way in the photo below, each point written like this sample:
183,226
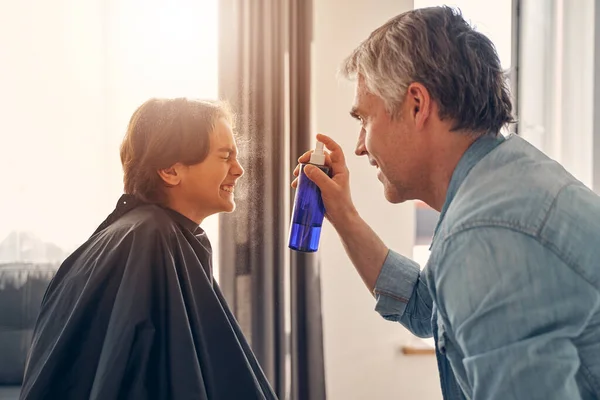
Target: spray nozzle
318,156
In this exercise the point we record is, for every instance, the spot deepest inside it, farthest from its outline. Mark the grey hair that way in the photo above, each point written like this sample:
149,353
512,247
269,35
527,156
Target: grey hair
436,47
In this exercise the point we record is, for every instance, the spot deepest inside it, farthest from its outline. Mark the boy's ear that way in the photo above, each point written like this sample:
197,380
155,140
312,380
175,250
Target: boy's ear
171,176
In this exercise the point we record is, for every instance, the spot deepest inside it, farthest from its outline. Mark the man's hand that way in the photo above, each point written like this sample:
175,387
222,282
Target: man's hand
335,191
366,251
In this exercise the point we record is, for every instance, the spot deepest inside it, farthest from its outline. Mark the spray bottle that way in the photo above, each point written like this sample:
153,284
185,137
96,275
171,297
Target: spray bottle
308,211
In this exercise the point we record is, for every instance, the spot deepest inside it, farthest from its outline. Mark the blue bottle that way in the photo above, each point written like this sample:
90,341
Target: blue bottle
308,211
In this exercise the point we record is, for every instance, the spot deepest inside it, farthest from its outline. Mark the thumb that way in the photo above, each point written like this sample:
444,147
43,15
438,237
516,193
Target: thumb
320,178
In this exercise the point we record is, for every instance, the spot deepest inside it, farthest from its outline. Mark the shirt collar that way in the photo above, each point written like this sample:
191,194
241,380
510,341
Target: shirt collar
476,151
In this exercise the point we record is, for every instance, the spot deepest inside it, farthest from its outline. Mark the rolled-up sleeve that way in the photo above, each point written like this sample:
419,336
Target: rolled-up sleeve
402,294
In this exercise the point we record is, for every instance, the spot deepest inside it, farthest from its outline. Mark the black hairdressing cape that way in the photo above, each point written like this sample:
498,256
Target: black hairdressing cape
134,314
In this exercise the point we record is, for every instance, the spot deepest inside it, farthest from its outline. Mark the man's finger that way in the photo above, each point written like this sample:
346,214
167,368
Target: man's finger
320,178
337,154
304,158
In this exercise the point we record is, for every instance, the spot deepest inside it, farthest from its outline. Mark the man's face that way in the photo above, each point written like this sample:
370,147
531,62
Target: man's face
391,144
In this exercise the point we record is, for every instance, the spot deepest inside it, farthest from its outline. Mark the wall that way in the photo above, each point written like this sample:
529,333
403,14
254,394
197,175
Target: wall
52,112
362,350
72,73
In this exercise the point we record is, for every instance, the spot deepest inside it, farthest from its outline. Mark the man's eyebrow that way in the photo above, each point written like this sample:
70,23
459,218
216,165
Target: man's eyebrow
355,113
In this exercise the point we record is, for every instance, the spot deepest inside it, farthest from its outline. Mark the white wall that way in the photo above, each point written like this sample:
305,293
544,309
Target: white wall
362,350
52,119
71,74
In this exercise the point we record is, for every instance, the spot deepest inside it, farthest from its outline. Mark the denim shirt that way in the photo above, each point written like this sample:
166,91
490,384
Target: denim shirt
511,291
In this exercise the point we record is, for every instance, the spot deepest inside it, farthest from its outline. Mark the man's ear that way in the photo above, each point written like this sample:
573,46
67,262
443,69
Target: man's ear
171,176
419,103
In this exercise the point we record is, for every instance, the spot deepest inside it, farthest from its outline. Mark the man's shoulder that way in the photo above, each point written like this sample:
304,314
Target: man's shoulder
515,186
522,191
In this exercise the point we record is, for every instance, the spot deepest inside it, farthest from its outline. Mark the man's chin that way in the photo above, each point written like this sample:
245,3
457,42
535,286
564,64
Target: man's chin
394,199
392,195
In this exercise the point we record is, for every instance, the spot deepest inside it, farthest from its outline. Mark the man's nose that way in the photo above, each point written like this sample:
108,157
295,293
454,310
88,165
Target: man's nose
361,149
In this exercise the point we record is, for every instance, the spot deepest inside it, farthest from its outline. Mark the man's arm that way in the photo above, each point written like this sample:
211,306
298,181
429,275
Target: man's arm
513,308
392,278
396,281
364,248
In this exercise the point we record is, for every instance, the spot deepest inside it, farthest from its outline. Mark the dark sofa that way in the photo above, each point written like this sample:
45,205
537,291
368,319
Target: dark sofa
22,287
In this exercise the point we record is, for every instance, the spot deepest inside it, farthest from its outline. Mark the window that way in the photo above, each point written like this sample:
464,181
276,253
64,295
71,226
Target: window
556,81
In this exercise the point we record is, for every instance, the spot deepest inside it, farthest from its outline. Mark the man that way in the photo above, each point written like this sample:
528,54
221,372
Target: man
511,292
134,313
